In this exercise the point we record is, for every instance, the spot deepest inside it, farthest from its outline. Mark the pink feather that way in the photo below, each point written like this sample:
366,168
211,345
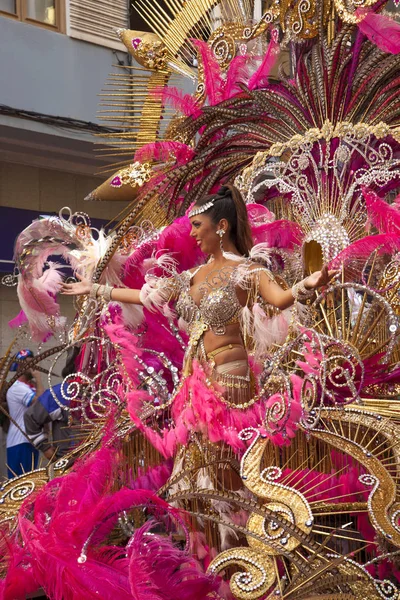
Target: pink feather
385,217
18,321
71,510
19,580
372,372
383,31
282,430
51,279
355,255
37,301
259,214
63,239
278,234
160,571
326,487
135,266
37,287
176,240
164,151
209,416
259,79
238,72
153,478
212,72
198,544
185,103
128,346
396,201
269,330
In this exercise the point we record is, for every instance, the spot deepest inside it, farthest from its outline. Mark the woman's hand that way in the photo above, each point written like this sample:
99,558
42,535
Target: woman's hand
319,278
76,289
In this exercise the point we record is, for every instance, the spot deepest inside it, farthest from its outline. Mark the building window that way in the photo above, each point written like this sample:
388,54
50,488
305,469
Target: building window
95,21
46,13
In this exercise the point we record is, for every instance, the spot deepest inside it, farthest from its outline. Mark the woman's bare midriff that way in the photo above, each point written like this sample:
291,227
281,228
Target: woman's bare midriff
232,336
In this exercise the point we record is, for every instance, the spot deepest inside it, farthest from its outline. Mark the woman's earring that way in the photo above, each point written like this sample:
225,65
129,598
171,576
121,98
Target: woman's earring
221,233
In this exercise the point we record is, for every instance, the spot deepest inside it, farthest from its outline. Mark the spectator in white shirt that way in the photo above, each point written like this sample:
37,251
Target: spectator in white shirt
21,455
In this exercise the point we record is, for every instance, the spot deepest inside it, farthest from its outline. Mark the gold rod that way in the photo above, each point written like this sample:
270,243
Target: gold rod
335,497
307,490
277,577
153,25
343,309
342,537
191,19
129,67
179,13
317,473
164,22
376,349
316,514
292,475
355,330
325,490
366,432
329,314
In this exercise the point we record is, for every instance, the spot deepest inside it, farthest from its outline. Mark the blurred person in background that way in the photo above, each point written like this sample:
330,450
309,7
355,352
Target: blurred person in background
49,409
21,455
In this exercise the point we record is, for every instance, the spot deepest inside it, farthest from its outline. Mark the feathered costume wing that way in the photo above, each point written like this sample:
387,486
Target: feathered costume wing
316,155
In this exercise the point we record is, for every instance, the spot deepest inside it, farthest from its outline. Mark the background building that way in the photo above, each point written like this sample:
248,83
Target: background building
56,56
55,59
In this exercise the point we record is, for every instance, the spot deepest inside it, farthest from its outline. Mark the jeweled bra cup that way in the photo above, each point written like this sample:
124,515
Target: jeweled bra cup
219,305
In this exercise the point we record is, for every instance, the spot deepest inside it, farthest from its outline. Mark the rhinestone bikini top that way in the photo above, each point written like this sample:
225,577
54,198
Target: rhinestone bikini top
218,303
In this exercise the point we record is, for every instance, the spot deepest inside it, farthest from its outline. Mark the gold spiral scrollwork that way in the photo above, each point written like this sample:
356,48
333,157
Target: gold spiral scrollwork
255,580
302,22
286,502
222,42
309,393
15,491
383,506
391,283
391,274
270,529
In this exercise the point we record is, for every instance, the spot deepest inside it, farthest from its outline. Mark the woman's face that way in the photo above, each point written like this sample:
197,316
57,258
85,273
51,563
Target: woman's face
204,231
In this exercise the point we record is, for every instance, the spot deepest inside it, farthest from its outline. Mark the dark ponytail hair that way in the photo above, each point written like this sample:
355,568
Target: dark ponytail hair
229,205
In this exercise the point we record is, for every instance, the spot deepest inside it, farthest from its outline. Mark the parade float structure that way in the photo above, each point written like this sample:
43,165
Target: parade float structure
300,108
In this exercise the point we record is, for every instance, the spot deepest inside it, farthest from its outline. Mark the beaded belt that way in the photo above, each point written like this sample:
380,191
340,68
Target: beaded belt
214,353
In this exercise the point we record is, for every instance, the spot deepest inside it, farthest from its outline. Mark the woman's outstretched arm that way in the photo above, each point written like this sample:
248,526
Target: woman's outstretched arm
273,294
85,286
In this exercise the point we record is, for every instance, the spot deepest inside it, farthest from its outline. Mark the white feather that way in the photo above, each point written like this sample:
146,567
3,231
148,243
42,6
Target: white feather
227,534
167,263
269,330
151,297
203,480
261,253
231,256
246,321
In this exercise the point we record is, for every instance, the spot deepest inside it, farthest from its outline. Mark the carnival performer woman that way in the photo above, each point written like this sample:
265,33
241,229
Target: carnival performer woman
229,306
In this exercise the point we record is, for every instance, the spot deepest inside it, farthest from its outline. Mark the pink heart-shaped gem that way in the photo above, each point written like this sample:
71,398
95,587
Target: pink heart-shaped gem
136,42
116,182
